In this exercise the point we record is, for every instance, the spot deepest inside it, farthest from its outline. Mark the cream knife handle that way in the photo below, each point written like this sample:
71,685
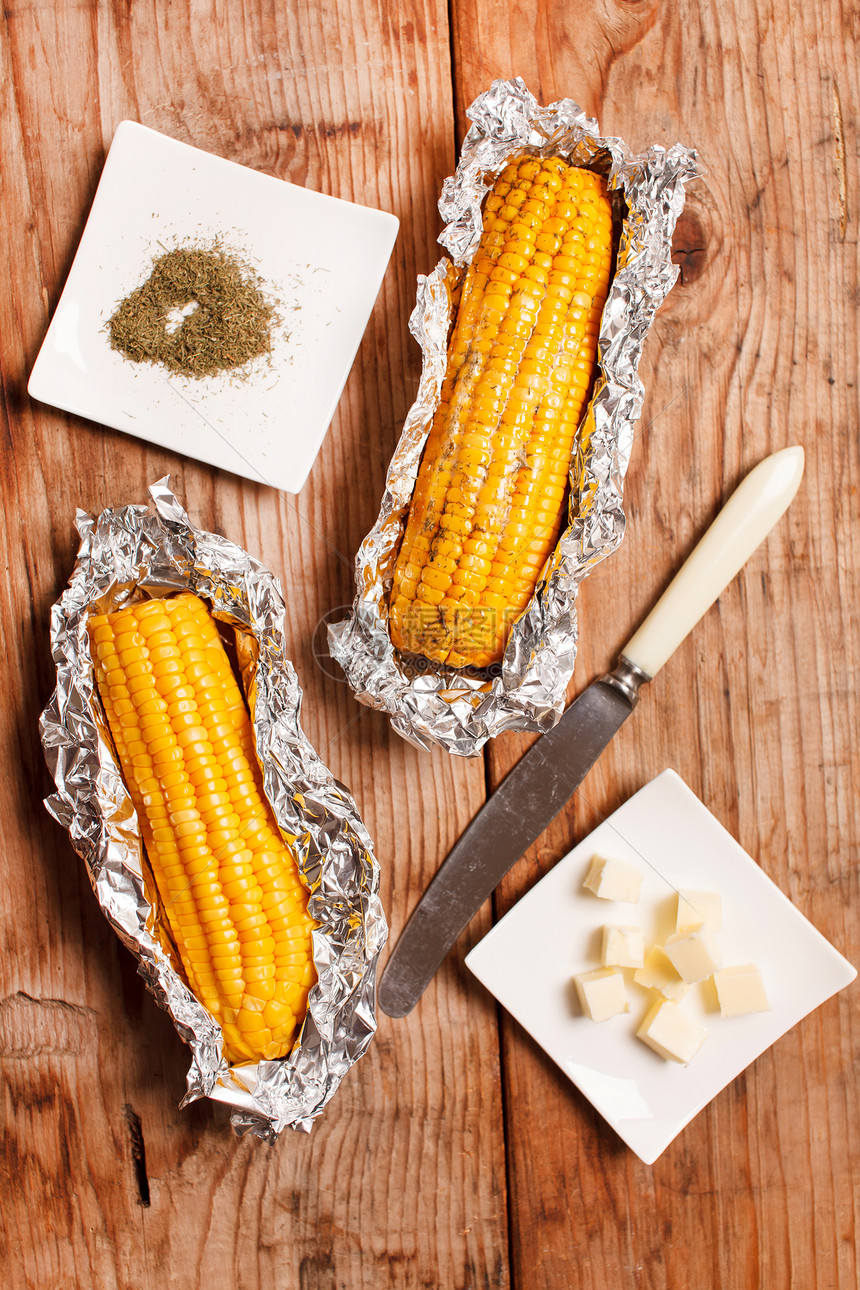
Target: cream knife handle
745,521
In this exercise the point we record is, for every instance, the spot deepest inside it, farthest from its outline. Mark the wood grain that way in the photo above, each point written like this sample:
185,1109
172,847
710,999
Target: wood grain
104,1181
455,1156
755,348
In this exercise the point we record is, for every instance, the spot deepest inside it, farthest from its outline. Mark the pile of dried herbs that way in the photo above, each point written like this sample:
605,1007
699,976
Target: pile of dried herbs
200,312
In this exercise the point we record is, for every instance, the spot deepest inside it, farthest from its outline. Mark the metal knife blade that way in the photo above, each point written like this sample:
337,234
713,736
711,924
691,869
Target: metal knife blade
526,802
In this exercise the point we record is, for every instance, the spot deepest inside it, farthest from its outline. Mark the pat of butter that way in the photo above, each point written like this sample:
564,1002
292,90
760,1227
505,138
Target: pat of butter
623,947
613,880
694,955
699,909
658,973
602,993
671,1033
741,991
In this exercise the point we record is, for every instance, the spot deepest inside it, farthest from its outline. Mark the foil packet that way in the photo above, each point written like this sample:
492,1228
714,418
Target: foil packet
130,554
430,704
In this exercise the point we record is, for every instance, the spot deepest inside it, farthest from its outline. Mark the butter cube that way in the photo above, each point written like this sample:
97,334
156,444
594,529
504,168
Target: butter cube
740,991
623,947
659,974
699,909
694,955
613,880
602,993
671,1033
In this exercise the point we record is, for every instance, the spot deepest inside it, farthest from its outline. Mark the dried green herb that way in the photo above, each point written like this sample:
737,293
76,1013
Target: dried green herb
200,312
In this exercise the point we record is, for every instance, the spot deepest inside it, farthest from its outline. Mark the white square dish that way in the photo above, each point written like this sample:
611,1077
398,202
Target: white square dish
321,261
529,958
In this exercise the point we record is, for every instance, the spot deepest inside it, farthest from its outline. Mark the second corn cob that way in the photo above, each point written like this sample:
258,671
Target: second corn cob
227,883
489,501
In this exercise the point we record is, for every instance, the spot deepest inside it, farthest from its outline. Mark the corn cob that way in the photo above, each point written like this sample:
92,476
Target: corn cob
489,501
227,883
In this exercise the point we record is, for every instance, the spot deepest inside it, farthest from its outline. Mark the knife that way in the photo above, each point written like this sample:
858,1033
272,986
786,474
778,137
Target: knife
533,793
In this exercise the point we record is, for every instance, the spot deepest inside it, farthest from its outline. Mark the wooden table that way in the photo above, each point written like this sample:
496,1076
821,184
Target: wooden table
455,1155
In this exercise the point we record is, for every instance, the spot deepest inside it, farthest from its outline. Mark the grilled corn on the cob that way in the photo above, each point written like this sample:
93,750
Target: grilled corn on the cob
489,501
227,883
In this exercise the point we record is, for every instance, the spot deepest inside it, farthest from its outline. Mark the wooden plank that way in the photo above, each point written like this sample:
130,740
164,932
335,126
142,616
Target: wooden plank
104,1181
757,347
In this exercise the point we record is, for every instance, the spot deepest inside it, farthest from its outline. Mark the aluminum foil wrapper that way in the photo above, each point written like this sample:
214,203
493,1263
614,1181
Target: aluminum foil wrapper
437,705
131,554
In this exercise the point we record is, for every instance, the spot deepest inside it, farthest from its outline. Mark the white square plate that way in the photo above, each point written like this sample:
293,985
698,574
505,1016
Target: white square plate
321,259
528,959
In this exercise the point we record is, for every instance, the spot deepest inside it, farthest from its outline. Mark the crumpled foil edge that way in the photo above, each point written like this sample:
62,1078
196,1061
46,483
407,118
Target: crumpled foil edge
441,706
130,548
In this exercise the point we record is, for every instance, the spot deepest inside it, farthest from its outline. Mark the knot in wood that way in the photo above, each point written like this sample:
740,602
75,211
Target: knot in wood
690,246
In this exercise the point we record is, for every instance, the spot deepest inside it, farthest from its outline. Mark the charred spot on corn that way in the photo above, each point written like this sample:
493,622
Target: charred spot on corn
227,885
490,499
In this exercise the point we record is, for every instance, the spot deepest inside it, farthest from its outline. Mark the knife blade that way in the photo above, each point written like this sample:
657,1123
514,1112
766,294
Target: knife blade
534,792
524,804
